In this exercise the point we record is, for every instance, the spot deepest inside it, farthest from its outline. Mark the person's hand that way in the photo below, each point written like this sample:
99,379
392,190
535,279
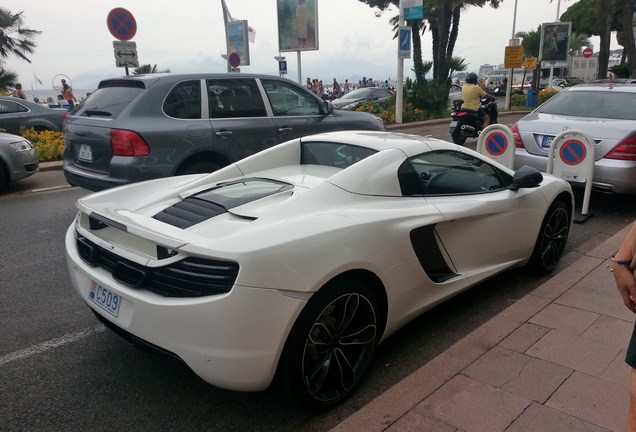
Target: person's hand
626,284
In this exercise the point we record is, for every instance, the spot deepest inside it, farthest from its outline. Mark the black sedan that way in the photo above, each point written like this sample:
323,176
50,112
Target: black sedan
356,98
16,114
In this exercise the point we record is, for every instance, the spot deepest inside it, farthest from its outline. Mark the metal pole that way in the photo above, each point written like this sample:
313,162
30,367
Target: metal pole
300,74
558,9
509,86
399,94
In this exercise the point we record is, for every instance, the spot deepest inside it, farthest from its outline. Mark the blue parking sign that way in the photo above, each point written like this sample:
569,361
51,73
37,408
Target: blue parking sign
404,43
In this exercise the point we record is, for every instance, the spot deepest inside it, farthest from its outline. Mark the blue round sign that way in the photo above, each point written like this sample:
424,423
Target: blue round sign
121,24
496,143
573,152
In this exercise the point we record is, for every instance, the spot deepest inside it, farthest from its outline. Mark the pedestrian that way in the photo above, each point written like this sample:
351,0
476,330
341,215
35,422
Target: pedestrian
622,267
309,84
67,93
336,88
345,86
18,92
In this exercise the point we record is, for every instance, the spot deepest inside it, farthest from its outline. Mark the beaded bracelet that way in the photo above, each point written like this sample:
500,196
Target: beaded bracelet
619,262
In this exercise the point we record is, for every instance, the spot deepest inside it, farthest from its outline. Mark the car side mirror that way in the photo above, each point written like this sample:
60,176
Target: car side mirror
526,177
327,107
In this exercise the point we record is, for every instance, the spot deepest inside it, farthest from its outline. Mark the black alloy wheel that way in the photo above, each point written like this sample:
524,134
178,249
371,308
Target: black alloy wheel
552,238
331,346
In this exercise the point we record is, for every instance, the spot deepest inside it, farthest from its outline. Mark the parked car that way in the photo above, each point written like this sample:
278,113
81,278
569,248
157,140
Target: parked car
294,263
151,126
16,113
17,159
454,93
607,112
355,98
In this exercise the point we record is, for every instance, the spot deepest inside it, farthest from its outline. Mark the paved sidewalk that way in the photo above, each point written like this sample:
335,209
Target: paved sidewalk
552,362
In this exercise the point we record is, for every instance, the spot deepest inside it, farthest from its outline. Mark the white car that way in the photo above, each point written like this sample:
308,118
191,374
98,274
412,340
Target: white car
294,263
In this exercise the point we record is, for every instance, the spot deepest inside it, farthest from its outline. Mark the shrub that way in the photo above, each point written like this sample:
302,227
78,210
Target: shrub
48,145
546,94
620,70
518,100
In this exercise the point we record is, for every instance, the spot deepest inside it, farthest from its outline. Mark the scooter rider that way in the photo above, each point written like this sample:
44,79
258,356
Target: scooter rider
472,94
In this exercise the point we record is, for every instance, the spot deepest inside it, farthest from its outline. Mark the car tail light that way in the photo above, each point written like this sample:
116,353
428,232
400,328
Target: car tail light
128,143
64,116
625,151
517,136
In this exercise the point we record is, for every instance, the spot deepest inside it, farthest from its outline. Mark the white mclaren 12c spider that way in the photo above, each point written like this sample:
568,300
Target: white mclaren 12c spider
291,265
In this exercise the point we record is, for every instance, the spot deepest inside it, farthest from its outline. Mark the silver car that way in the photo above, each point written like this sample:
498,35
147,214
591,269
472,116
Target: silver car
151,126
16,114
17,159
606,112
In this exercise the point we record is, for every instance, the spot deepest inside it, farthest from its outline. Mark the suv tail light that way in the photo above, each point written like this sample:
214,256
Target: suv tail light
128,143
517,136
625,151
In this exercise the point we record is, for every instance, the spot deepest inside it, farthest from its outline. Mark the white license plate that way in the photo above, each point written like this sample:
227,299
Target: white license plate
85,153
104,298
453,123
547,141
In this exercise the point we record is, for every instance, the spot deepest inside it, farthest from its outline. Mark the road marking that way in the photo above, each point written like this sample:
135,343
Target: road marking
51,188
52,344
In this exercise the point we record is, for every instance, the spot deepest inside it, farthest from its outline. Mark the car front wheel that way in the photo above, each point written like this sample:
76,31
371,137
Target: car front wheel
330,346
552,239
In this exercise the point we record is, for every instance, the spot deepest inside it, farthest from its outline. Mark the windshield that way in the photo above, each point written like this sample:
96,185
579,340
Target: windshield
612,104
358,94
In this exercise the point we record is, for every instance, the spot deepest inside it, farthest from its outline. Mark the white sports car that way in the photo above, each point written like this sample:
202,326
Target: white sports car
296,262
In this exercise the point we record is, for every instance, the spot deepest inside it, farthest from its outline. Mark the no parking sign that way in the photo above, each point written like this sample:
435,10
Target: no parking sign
572,157
496,142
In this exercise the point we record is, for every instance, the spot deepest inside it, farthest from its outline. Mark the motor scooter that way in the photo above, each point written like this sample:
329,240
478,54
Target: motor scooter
466,124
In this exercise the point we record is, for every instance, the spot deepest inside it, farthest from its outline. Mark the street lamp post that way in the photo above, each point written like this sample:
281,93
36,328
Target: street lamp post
509,86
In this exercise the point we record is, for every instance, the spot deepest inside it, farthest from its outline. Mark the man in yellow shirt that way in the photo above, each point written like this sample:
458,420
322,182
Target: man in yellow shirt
472,94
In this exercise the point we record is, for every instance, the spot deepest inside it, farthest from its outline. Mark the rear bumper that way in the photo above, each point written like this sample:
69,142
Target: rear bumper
610,176
91,180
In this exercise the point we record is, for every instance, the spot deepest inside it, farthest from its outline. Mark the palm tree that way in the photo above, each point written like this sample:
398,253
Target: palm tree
456,64
15,39
148,69
8,79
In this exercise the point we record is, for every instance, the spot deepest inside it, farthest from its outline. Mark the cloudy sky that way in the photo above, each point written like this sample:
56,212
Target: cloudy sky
188,36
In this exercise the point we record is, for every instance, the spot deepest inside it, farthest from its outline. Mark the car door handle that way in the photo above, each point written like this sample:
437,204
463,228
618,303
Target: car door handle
285,129
223,133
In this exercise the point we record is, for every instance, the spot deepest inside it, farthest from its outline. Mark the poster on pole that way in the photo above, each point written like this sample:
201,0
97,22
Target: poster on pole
555,42
237,40
413,9
297,25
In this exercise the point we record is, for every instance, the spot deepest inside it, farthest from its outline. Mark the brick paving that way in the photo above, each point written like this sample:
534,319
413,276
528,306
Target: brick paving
551,362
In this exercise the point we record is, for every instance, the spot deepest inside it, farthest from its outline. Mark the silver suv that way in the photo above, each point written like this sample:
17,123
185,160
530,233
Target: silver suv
149,126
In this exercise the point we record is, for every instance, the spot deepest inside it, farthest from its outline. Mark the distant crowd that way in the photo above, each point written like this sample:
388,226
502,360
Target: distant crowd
336,90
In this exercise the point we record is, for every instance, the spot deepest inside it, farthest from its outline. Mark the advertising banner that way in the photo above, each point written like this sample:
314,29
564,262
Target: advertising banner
555,41
237,40
297,25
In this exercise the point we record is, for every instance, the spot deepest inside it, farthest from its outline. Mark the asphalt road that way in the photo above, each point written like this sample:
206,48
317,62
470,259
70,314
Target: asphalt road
61,370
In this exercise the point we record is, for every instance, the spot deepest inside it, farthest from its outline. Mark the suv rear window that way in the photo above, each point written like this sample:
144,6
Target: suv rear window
107,101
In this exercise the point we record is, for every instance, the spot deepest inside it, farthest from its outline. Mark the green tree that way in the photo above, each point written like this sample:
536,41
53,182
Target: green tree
8,79
14,38
148,69
601,17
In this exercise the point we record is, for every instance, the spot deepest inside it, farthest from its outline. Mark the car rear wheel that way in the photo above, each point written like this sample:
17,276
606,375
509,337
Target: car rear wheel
552,238
330,346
